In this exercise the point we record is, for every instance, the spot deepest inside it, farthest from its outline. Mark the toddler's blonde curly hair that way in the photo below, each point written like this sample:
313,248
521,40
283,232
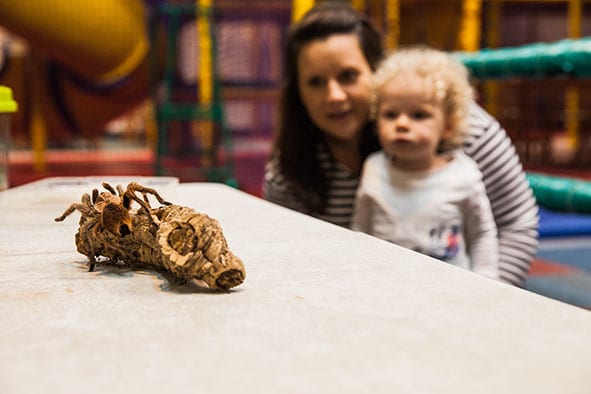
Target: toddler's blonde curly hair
449,78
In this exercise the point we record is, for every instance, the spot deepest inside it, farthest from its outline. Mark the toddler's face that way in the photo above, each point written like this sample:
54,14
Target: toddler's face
411,121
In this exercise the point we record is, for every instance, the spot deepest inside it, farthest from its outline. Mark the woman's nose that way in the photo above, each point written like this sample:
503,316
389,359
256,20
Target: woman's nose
335,91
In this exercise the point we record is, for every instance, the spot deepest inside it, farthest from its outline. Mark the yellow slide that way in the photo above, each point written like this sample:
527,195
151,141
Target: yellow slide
89,59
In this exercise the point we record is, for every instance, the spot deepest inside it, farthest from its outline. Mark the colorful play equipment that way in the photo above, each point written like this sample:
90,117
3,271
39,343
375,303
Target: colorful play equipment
565,205
94,61
469,35
560,193
300,7
102,41
565,202
206,77
569,57
88,64
200,111
571,94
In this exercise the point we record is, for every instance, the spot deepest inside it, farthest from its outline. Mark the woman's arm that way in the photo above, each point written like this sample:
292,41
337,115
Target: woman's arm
514,207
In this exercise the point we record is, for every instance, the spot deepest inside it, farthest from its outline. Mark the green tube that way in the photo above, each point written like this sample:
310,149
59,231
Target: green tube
561,194
570,57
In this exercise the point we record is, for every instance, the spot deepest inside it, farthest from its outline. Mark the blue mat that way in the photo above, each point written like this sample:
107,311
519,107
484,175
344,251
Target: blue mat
563,224
565,241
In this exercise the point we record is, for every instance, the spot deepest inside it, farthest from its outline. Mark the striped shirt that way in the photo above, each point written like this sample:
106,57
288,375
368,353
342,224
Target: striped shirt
512,201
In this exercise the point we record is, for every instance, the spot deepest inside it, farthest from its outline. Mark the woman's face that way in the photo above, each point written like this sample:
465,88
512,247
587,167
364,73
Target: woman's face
334,81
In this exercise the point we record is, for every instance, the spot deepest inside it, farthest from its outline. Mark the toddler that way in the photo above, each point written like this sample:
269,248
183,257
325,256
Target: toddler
420,190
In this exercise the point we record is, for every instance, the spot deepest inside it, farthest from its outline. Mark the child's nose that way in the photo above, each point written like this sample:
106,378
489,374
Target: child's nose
402,122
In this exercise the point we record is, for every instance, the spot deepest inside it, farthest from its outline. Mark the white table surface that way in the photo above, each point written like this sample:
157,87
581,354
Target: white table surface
323,309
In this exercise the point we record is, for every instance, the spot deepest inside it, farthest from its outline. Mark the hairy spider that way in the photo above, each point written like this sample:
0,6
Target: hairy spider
189,244
113,206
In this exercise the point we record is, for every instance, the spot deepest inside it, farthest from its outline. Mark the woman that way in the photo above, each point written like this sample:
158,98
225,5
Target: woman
325,135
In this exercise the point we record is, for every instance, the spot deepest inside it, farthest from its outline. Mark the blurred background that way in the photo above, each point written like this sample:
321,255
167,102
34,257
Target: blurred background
189,88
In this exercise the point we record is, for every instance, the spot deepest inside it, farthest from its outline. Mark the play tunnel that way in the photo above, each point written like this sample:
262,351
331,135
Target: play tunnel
102,40
570,57
564,58
88,62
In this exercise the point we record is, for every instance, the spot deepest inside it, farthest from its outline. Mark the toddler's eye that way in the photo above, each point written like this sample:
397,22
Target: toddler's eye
420,115
390,115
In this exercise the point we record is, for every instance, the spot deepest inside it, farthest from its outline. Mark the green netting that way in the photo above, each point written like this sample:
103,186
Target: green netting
561,194
565,57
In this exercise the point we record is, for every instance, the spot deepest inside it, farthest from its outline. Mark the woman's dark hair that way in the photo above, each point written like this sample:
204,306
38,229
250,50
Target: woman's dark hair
296,143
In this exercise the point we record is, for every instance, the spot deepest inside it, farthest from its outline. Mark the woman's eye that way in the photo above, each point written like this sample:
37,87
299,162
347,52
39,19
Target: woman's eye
348,76
315,82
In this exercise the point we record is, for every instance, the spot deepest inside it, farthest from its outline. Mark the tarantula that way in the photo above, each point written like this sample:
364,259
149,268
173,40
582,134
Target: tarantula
188,244
113,208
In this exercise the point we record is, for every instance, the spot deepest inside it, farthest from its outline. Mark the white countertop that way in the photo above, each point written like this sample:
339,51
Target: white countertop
322,309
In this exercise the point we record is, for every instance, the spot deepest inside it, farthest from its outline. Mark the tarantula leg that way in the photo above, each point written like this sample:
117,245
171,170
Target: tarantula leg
109,188
67,212
126,201
134,187
83,207
95,194
143,203
92,261
120,191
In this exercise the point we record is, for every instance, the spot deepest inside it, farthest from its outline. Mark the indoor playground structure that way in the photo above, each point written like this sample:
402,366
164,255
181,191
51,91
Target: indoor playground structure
86,65
565,203
93,62
201,68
